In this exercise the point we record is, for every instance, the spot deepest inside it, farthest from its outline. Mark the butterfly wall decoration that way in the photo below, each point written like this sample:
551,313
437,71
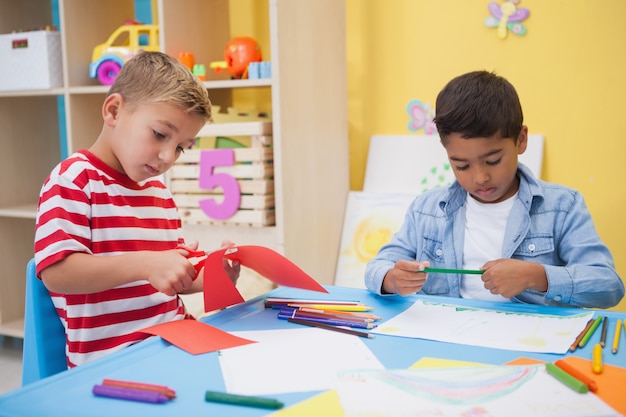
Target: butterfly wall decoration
507,17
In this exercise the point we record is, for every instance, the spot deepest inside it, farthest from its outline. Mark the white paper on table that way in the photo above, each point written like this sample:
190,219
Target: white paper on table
525,332
493,391
292,360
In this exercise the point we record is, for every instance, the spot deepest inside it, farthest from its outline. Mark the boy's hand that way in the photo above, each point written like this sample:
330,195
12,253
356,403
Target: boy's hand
169,271
232,268
509,277
405,278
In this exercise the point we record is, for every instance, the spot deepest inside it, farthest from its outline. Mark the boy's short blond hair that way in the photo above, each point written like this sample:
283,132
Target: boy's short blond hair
152,77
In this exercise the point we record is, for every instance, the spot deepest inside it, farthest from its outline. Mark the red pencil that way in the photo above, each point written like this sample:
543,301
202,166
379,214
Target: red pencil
162,389
591,384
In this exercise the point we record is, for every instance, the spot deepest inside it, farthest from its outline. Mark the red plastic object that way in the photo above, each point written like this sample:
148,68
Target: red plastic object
239,52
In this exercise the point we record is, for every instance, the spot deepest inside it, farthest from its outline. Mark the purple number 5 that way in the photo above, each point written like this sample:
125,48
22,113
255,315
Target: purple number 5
209,180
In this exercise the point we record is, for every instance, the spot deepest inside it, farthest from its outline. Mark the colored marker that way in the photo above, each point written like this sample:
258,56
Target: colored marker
332,328
596,359
453,271
244,400
591,384
344,307
589,333
566,378
281,302
329,313
581,335
367,316
618,329
605,325
326,320
129,394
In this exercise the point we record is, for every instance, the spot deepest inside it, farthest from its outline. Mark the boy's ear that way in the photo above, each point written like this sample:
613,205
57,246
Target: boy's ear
111,108
522,140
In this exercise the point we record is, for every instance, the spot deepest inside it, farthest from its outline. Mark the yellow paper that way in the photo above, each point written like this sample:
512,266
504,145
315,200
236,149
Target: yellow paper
443,363
326,404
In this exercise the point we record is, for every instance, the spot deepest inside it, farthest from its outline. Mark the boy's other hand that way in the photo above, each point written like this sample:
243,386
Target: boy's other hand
405,278
510,277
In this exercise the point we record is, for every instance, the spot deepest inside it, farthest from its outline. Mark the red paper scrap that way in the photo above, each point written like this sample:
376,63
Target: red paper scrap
195,337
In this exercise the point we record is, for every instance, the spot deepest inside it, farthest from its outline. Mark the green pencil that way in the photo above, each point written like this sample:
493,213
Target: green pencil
592,329
454,271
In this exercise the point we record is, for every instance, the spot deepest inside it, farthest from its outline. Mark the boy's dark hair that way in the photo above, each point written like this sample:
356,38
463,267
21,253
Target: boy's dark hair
478,104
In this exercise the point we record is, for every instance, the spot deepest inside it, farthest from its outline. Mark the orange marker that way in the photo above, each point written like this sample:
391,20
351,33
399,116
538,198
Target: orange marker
591,384
596,359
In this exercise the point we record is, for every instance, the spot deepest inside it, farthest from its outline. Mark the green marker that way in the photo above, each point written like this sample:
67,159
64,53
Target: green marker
243,400
454,271
575,384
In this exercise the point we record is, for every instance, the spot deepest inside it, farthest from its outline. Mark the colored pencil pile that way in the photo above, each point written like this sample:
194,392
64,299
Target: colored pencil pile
134,391
342,316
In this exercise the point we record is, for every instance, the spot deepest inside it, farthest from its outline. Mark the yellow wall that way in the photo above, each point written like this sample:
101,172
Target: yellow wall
569,70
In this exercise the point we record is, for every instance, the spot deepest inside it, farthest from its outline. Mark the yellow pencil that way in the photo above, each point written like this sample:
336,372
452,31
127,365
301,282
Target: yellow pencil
618,329
334,307
596,359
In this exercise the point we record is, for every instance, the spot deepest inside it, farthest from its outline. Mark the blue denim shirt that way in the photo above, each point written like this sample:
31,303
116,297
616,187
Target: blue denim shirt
549,224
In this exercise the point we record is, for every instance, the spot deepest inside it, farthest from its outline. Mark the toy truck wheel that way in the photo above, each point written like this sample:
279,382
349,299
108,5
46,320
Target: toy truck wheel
107,72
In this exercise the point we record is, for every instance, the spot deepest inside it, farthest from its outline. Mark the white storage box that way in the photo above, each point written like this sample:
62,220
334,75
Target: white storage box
30,61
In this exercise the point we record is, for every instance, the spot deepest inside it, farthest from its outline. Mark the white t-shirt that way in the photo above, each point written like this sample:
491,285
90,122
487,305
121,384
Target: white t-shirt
484,234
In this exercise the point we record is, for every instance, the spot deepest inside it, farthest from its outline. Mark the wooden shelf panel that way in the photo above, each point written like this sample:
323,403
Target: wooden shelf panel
13,328
26,211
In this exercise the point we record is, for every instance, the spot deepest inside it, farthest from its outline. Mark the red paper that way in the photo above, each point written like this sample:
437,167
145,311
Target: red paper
195,337
219,290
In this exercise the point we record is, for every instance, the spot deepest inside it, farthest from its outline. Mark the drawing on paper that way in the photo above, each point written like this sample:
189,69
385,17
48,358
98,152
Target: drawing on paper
478,385
370,221
521,331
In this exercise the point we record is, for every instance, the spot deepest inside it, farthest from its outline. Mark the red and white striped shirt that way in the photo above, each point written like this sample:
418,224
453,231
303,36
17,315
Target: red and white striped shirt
86,206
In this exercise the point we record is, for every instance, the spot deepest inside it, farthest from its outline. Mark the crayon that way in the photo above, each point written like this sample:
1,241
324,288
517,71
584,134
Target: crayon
244,400
591,384
129,394
566,378
596,359
168,392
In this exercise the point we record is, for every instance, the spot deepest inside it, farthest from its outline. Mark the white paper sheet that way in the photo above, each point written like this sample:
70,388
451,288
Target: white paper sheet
292,360
451,323
491,391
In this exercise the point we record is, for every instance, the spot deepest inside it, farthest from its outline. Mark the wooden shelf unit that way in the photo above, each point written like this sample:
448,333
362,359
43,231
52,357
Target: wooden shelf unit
308,109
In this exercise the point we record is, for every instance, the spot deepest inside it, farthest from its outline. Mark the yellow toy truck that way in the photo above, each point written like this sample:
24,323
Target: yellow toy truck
108,58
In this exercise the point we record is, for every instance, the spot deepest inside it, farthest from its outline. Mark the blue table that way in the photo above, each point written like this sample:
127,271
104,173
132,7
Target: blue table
156,361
